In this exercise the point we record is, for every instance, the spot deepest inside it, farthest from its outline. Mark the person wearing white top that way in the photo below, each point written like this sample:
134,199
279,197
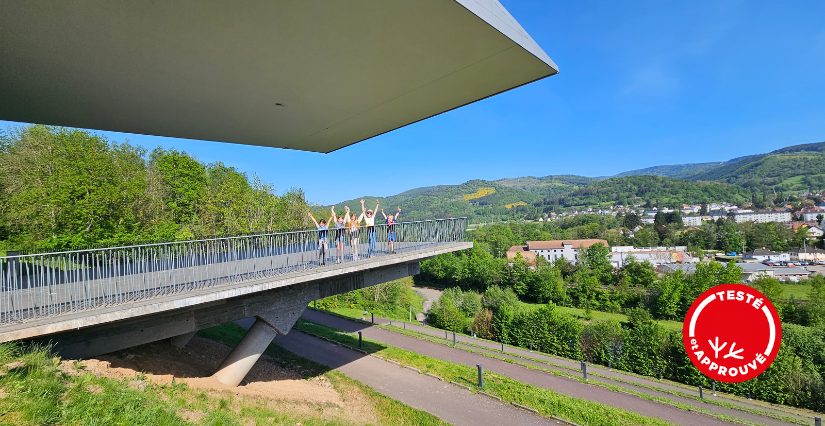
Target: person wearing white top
369,219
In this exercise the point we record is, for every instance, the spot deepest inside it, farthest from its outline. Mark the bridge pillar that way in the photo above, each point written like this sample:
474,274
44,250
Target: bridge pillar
181,340
238,363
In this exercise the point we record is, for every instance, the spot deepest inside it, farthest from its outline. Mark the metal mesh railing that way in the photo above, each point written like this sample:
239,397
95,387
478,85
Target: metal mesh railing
46,284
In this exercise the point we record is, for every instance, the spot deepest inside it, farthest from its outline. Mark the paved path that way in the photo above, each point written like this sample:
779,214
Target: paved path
448,402
562,385
616,377
431,294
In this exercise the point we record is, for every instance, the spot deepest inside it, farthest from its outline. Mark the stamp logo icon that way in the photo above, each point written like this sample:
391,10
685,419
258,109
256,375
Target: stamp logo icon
732,333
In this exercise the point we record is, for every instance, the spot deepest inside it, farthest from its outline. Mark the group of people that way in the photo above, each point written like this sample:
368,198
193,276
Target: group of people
340,226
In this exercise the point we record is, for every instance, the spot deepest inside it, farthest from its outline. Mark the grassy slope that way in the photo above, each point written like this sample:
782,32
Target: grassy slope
36,391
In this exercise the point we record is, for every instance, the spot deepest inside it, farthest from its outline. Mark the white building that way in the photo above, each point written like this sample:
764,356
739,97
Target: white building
692,220
655,255
762,216
763,255
648,219
807,253
810,215
568,249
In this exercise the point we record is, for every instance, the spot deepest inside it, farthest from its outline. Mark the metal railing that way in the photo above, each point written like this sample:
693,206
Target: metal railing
46,284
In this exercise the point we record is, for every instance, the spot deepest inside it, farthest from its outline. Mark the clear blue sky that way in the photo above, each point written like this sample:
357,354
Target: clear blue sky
642,83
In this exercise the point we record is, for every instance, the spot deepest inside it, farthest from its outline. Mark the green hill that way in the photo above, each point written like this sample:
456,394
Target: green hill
680,171
656,190
791,169
480,200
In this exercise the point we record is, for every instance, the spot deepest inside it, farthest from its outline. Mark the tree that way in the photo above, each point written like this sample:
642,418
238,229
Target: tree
770,287
183,183
502,318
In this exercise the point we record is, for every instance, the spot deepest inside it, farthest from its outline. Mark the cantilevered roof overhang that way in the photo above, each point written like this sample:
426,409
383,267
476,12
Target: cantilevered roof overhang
301,74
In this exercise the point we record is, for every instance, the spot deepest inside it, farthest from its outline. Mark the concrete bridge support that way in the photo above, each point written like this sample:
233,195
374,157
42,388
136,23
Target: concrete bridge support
238,363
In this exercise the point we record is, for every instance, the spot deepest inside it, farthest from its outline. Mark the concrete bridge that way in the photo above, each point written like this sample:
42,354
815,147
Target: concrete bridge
90,302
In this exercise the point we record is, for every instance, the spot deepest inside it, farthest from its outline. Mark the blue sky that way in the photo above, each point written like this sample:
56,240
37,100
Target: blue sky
642,83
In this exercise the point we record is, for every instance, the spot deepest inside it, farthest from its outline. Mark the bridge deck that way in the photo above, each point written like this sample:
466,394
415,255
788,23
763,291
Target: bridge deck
52,292
172,301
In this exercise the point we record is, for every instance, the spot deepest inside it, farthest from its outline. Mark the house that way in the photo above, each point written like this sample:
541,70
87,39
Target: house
648,219
528,255
807,253
692,220
791,274
555,249
655,255
811,215
814,231
750,271
753,271
763,255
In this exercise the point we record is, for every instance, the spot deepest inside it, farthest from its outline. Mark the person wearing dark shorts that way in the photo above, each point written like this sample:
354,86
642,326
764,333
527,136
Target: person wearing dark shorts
340,236
391,221
322,239
354,228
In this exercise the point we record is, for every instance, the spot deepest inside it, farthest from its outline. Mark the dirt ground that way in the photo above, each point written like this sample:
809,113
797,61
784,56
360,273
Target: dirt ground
195,363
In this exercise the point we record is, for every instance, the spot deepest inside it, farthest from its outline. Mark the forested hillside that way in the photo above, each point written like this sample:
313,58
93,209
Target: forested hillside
478,199
680,171
795,168
66,188
787,171
652,190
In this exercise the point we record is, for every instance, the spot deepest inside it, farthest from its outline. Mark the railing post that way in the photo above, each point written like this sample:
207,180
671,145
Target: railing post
480,376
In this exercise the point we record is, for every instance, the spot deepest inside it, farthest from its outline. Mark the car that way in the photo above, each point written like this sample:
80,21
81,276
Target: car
769,264
791,264
821,262
803,263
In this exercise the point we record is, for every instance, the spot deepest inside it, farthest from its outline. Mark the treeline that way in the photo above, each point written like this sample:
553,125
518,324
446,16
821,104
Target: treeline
723,234
66,188
487,292
650,190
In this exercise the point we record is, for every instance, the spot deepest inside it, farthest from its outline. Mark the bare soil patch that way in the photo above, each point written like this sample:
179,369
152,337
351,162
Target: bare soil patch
161,362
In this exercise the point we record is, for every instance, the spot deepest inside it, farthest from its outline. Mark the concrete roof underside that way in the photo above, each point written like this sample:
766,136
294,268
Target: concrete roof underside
308,75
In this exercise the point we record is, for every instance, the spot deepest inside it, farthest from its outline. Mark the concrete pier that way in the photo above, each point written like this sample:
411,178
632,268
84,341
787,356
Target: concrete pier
238,363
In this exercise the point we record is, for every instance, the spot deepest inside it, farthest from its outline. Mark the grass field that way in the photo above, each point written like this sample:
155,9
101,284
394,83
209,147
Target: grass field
797,291
598,315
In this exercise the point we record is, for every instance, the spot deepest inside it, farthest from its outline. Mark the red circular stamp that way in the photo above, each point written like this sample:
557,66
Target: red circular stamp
732,333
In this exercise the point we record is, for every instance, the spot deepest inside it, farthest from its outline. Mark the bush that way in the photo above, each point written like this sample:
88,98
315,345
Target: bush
495,297
445,315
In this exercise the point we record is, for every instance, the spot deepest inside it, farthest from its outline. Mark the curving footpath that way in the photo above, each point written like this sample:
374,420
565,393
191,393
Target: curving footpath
448,402
560,384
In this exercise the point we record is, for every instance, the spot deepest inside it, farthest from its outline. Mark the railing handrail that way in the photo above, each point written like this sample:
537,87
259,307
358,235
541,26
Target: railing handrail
19,256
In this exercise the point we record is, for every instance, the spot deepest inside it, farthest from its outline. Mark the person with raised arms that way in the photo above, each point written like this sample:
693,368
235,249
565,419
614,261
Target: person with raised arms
369,220
340,234
391,230
354,228
322,238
